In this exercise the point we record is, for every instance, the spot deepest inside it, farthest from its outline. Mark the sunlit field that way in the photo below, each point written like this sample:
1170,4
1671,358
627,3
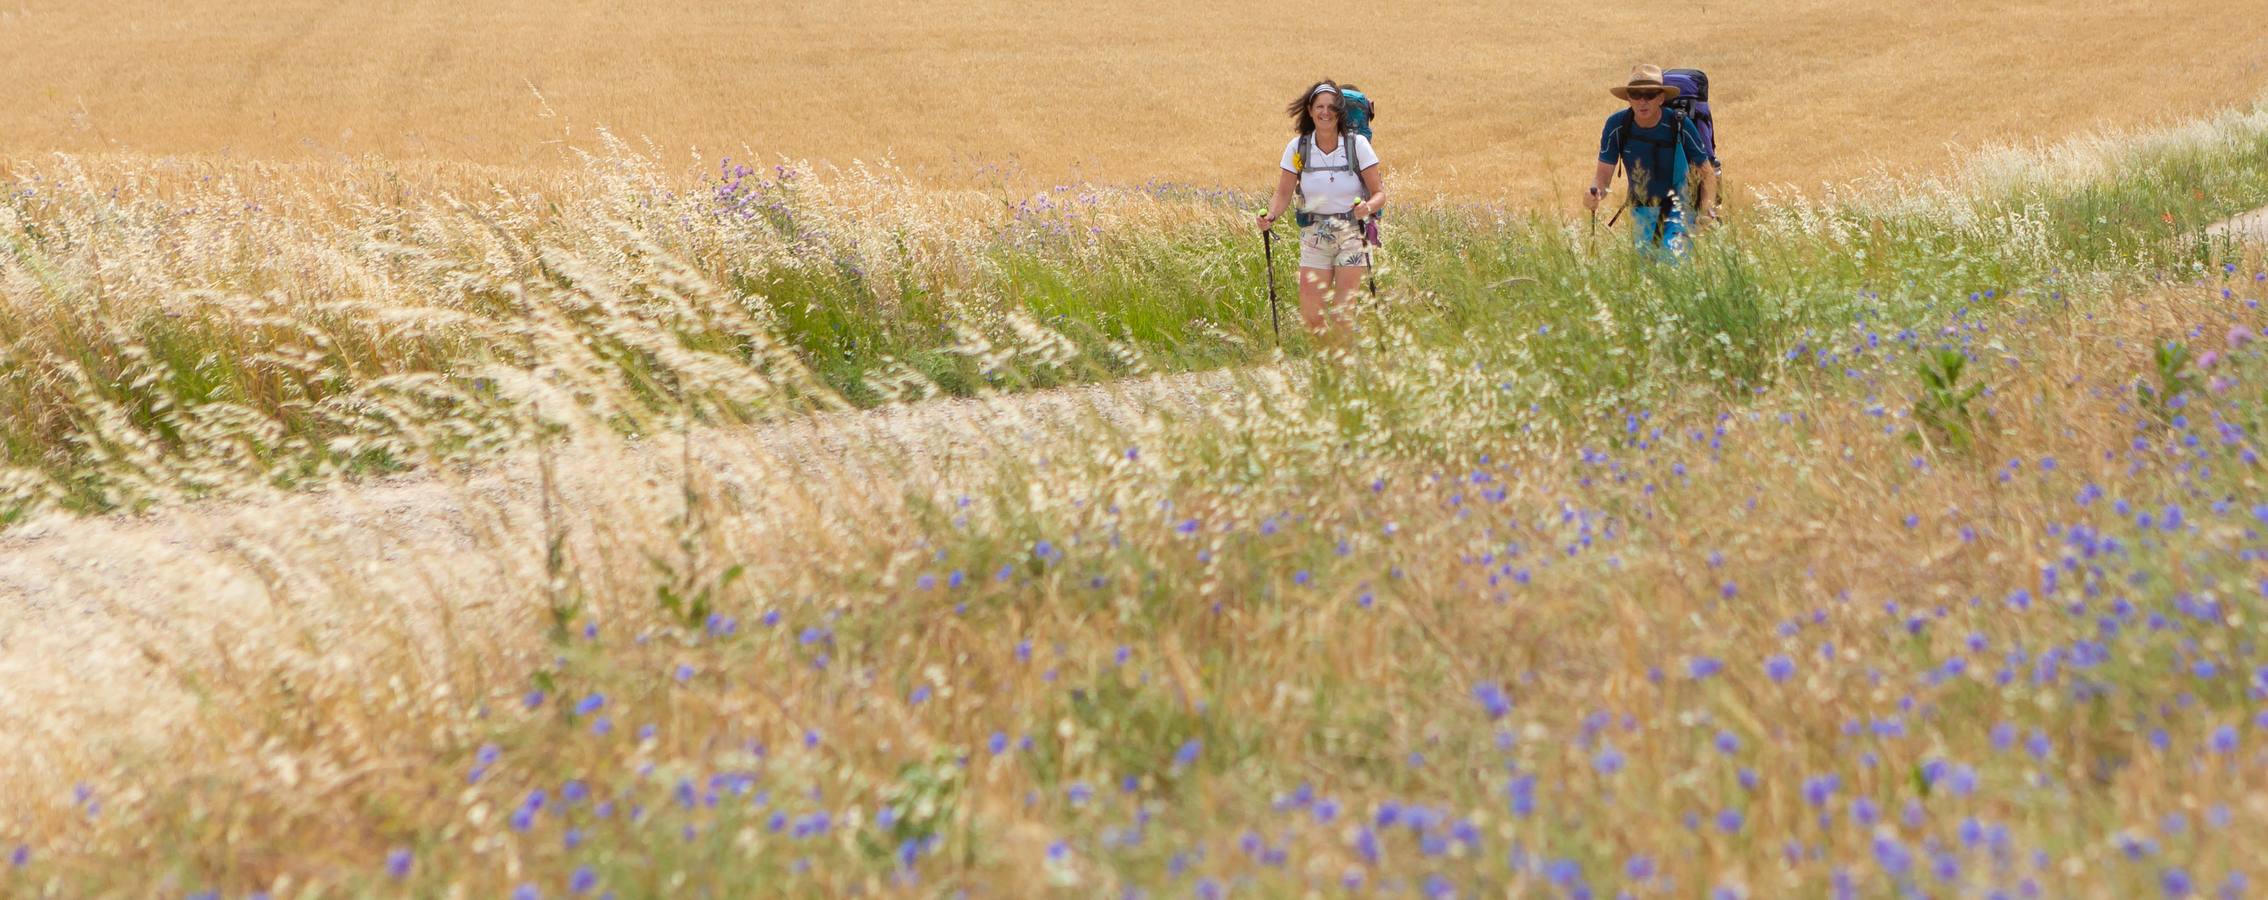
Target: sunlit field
484,450
1482,100
1908,539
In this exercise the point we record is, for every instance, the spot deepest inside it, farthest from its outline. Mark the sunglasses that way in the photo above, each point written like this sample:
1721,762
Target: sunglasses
1645,95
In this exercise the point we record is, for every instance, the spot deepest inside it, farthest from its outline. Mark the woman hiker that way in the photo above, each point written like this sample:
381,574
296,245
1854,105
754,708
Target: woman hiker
1334,174
1656,149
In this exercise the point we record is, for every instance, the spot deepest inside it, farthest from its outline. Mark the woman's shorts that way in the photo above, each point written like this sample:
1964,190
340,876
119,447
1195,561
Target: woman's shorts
1332,243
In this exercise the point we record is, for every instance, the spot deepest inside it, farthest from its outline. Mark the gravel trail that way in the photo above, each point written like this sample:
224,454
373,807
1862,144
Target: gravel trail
93,610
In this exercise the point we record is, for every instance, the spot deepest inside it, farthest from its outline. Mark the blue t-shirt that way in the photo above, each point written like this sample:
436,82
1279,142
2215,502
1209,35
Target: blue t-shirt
1652,152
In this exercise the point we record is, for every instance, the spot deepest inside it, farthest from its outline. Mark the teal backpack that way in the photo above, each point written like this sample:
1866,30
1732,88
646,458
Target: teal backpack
1360,109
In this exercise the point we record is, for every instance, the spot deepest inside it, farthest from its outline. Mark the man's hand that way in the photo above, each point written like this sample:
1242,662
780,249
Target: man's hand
1592,196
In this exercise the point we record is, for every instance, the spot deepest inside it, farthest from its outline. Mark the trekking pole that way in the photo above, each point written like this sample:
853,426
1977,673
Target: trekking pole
1625,199
1370,272
1268,249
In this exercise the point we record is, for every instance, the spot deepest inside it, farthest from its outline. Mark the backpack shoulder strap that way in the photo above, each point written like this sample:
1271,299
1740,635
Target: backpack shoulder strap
1623,131
1354,161
1299,161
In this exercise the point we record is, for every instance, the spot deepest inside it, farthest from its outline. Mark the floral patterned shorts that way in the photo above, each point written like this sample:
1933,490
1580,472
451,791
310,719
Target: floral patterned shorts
1332,243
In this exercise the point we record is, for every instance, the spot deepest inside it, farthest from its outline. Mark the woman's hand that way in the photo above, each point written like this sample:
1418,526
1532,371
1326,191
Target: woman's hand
1365,209
1267,221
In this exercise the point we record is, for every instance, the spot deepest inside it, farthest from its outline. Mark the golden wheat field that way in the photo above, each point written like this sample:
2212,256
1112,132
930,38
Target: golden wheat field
1477,99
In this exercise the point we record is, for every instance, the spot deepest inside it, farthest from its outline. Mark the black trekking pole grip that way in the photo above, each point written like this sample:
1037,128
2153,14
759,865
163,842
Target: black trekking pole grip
1268,249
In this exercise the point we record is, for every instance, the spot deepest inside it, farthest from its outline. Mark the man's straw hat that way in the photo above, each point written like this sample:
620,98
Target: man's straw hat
1645,78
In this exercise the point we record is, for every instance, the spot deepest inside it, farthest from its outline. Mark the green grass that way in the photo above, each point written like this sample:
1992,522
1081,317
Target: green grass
859,302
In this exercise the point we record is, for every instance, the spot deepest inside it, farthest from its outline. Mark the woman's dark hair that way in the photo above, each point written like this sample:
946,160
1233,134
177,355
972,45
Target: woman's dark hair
1302,121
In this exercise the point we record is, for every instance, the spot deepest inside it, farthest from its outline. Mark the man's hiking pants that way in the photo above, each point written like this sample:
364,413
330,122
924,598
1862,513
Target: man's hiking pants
1658,233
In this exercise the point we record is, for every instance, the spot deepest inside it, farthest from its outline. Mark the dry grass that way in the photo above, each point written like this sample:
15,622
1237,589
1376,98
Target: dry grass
847,675
1479,99
1255,640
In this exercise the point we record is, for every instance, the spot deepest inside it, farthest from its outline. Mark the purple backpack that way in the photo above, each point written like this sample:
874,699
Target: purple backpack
1693,101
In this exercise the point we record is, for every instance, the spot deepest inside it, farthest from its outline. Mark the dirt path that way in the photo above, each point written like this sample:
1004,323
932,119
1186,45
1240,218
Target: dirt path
92,609
2252,227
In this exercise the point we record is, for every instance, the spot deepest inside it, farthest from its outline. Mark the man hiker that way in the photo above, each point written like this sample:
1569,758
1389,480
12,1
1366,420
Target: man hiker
1656,149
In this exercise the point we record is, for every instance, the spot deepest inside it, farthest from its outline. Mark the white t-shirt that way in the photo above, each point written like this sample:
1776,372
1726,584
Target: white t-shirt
1331,192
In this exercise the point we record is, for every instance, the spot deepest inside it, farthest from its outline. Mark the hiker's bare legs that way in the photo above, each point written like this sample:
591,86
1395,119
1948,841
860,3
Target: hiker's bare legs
1345,281
1325,298
1312,284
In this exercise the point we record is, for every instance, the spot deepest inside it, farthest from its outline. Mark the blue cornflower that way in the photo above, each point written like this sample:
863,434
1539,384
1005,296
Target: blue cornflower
1608,760
1702,667
582,881
1818,789
1892,856
1187,755
1962,780
397,863
998,743
1727,742
1779,668
526,892
2224,739
1522,794
1729,820
1492,699
590,704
